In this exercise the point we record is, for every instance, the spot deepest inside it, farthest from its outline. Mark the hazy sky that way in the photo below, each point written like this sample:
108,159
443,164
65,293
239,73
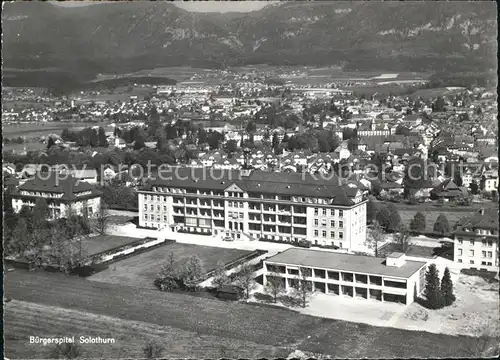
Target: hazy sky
198,6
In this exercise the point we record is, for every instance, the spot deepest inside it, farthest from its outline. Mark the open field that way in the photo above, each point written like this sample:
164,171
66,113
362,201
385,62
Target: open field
435,92
29,146
415,250
141,270
100,243
261,325
130,336
40,129
177,73
431,217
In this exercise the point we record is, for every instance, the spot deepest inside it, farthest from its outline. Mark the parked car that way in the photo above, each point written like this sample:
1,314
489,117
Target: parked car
227,238
304,243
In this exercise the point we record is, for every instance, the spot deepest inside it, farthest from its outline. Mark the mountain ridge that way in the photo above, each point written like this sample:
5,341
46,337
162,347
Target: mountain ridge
110,37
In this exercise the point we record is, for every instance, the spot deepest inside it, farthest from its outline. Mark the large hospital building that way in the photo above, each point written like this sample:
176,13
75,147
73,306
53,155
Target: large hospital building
255,204
393,279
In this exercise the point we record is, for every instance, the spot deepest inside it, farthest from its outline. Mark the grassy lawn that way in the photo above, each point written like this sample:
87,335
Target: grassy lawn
141,270
205,317
431,217
416,250
97,244
130,336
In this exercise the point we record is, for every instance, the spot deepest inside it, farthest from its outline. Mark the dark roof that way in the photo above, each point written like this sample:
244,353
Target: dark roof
344,262
487,220
446,186
51,182
279,183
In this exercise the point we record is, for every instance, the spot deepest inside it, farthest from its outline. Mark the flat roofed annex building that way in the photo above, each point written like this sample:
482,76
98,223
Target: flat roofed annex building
256,204
476,241
60,192
393,279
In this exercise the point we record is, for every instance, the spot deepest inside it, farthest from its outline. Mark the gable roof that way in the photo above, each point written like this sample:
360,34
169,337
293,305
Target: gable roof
55,183
279,183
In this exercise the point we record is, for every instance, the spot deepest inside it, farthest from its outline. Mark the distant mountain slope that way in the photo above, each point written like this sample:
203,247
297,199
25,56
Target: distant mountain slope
436,36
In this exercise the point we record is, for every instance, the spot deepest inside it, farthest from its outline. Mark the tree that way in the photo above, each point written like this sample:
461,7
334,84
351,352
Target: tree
245,279
394,217
275,286
139,142
383,217
66,351
41,212
231,146
432,290
16,244
375,237
441,225
447,288
153,350
192,271
303,287
167,278
418,223
275,142
474,188
35,249
101,135
50,142
101,221
438,105
220,276
64,253
371,211
402,238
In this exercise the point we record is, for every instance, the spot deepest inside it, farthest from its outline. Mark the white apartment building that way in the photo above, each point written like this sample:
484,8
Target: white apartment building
476,241
393,279
61,194
256,204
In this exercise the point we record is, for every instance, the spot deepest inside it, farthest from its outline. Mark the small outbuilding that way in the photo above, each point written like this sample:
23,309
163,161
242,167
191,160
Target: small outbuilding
230,292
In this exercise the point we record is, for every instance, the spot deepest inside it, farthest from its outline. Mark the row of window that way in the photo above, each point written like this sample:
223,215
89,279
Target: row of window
324,201
152,207
332,234
488,243
332,223
332,212
235,204
152,217
484,254
485,263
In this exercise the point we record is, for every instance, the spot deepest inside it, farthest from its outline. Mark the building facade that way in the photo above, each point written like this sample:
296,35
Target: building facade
394,279
61,194
256,204
476,241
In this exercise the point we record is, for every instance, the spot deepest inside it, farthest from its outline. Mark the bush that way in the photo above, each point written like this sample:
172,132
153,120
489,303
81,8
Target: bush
152,350
66,351
263,297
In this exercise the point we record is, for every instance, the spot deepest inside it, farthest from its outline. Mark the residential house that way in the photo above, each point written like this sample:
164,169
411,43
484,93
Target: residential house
120,143
447,190
490,180
61,195
476,241
9,169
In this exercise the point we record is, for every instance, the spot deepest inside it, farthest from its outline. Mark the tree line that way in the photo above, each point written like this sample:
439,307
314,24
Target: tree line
30,236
